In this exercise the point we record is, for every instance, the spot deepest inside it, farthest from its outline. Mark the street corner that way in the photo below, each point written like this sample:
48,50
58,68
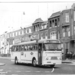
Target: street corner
2,64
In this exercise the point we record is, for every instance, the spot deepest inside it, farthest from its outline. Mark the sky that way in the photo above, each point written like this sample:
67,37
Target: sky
15,14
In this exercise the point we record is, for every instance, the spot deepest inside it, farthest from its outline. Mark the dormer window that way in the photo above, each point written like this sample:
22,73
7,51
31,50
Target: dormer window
66,17
50,24
56,22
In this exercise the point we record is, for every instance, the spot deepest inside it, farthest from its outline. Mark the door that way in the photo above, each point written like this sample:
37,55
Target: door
40,53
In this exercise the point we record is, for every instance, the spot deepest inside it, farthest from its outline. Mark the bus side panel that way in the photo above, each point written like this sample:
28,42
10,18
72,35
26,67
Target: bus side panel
15,54
28,56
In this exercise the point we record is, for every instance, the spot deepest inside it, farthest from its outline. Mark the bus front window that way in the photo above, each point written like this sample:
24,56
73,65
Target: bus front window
52,47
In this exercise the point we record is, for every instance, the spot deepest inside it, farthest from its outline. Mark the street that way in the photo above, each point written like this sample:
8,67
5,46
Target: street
9,68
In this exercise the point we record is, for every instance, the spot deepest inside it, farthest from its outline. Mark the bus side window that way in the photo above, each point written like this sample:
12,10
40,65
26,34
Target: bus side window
19,48
30,47
33,47
24,48
16,48
36,47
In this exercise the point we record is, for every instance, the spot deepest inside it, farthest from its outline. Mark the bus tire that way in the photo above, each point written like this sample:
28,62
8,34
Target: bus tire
16,60
34,62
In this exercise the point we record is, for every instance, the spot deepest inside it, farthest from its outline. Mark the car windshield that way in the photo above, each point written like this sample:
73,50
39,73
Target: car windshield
53,47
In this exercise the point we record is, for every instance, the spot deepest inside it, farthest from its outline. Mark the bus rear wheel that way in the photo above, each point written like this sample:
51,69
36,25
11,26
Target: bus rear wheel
16,60
34,62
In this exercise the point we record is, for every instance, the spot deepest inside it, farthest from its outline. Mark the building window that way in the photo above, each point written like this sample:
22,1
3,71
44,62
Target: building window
63,31
22,32
29,30
66,17
74,15
13,34
68,30
16,33
53,35
7,35
55,22
63,34
45,26
10,34
50,24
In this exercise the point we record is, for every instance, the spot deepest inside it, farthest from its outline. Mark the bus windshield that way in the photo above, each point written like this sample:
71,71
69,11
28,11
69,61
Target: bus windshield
52,47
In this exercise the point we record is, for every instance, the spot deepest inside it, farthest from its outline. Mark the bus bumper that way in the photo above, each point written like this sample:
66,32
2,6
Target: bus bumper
52,63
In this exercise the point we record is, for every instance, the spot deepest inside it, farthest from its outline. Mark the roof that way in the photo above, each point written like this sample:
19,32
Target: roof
55,14
39,41
38,20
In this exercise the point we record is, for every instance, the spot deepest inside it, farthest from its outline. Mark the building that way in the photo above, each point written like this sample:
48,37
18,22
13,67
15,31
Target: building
40,29
3,44
54,26
60,25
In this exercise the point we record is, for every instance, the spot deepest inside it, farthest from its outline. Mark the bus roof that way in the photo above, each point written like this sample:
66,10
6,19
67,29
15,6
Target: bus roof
40,41
26,43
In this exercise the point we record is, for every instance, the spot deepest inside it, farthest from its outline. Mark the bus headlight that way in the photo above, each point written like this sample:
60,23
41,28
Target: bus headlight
48,58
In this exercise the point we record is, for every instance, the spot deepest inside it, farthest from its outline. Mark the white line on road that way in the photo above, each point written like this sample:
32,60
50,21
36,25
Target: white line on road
37,71
52,70
47,71
1,64
1,69
27,71
3,72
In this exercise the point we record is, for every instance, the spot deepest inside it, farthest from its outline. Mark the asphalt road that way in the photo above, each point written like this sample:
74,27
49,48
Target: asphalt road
9,68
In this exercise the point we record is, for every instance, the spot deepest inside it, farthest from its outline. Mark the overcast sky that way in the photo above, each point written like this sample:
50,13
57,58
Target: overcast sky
16,15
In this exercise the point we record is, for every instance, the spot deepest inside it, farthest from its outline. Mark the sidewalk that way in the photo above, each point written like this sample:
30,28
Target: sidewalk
69,61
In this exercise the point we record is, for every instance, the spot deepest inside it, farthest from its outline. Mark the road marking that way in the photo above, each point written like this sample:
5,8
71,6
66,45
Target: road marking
3,72
1,69
52,70
47,71
2,64
37,71
27,71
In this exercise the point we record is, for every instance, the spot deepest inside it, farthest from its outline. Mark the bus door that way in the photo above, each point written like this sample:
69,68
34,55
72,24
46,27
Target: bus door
40,53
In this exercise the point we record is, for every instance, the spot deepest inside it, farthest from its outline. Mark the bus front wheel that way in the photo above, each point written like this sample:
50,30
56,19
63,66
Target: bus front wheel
34,62
16,60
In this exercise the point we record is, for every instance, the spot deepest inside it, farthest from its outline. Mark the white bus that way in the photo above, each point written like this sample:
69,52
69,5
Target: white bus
46,52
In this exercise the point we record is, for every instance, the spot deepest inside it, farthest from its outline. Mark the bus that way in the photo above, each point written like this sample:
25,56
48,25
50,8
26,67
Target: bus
42,52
